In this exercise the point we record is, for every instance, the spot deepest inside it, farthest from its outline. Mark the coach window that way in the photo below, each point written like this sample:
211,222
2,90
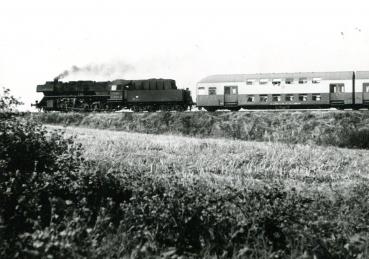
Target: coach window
251,99
276,81
263,98
201,90
289,97
227,90
289,81
249,82
263,81
337,88
316,97
316,80
114,87
212,90
303,97
366,87
276,98
302,80
340,88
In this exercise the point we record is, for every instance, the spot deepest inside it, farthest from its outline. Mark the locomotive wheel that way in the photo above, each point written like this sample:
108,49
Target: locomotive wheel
86,107
164,108
151,108
95,106
136,109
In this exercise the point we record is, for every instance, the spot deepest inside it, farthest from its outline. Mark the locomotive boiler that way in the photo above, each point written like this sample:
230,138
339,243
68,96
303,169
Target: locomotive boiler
137,95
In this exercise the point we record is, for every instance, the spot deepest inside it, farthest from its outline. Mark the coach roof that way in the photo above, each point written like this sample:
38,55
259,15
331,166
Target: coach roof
362,74
344,75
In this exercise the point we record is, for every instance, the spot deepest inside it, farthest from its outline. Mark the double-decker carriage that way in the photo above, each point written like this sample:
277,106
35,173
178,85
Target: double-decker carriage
316,90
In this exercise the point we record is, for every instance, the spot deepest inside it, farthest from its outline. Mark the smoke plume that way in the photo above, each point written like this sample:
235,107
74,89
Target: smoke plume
106,70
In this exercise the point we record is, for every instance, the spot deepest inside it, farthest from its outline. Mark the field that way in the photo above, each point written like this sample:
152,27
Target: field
226,162
257,199
169,185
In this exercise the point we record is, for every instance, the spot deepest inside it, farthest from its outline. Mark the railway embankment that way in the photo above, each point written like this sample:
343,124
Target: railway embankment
328,128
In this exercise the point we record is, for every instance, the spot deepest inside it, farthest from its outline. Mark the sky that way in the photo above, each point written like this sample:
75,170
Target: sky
184,40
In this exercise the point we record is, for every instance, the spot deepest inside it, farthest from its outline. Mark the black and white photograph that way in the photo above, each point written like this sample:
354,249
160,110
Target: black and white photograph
184,129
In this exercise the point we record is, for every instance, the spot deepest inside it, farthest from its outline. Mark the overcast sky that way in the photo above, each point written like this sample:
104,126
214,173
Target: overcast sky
183,40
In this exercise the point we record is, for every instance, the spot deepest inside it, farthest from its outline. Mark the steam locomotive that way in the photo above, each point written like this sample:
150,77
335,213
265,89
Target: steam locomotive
137,95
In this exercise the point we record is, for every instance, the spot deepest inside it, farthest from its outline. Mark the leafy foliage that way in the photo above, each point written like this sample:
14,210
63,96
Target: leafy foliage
8,102
35,165
357,139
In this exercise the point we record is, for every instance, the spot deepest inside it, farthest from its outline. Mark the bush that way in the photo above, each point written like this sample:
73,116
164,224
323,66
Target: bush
35,166
357,139
229,222
8,103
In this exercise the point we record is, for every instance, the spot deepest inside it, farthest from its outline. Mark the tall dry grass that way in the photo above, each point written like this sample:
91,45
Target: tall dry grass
225,161
332,128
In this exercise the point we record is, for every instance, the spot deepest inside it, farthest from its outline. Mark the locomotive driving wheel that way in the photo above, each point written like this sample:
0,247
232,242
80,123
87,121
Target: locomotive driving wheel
96,106
136,108
85,107
151,108
164,107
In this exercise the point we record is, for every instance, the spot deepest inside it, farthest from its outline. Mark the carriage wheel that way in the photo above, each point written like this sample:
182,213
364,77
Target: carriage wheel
234,109
210,109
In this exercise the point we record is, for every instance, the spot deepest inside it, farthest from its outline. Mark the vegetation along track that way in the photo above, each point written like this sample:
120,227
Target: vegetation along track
335,128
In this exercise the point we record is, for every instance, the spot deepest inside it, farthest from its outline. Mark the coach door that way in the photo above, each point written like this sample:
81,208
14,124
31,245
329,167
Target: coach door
337,93
230,95
366,93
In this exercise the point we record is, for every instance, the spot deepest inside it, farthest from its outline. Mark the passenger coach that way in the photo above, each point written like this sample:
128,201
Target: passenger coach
339,90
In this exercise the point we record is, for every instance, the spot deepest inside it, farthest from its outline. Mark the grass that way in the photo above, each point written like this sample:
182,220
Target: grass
327,128
226,161
315,198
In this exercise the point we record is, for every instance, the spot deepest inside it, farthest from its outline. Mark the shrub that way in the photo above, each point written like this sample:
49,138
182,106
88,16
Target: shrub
357,139
31,160
8,102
